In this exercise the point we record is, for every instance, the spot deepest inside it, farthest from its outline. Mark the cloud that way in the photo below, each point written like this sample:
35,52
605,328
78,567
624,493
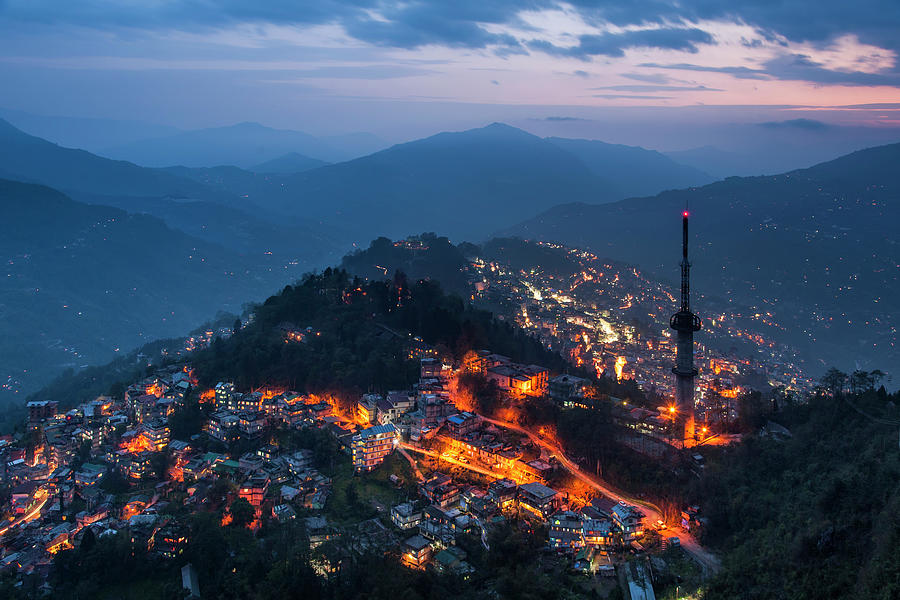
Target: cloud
803,124
739,72
658,88
608,28
561,119
631,97
801,67
648,77
615,44
581,73
371,72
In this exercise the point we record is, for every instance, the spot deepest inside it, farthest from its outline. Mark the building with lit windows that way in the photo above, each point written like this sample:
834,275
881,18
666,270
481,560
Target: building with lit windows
371,445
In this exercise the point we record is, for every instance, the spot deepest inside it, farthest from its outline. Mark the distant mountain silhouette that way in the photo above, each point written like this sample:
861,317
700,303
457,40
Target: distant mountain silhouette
635,170
79,281
243,145
90,134
29,158
719,163
817,247
292,162
464,184
214,204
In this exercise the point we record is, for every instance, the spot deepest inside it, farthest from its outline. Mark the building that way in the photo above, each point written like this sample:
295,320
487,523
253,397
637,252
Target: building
462,424
223,426
439,490
397,403
254,489
89,475
224,394
568,390
252,422
41,410
628,520
519,379
406,516
367,408
157,434
416,552
170,540
566,531
371,445
597,533
538,499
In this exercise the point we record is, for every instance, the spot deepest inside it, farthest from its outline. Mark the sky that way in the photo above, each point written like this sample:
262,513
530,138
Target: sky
644,71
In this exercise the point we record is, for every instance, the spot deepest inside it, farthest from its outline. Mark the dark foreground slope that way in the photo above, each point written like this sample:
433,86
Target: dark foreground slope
814,515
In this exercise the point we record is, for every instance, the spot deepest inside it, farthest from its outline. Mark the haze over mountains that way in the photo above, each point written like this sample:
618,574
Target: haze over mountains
243,145
291,213
81,281
468,181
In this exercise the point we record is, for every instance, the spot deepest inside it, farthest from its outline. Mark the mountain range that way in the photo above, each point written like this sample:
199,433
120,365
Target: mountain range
242,145
81,282
829,224
468,184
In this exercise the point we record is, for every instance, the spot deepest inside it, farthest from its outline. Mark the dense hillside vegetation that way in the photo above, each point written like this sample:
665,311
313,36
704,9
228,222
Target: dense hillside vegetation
814,515
365,332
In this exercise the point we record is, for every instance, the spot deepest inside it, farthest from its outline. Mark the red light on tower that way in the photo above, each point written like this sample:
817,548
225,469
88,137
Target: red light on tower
684,214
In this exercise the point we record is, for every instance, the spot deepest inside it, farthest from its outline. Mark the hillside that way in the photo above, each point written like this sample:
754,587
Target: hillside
469,183
636,171
242,145
81,281
218,205
815,247
811,516
30,158
292,162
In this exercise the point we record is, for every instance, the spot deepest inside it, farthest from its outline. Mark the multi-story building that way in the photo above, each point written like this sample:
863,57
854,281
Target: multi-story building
157,434
566,531
538,499
254,489
224,393
223,426
416,552
367,408
41,410
406,515
252,422
89,475
597,533
371,445
520,379
629,521
568,390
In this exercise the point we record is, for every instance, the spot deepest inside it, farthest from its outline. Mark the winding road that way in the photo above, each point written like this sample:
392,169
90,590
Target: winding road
708,562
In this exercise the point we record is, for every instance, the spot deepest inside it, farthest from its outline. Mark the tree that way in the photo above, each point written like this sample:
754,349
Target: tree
242,513
834,381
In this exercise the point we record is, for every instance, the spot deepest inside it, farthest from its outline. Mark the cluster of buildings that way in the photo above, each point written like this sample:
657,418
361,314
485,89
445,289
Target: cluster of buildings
116,464
111,467
615,320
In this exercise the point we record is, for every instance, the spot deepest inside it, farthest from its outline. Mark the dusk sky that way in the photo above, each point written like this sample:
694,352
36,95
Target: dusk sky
619,71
